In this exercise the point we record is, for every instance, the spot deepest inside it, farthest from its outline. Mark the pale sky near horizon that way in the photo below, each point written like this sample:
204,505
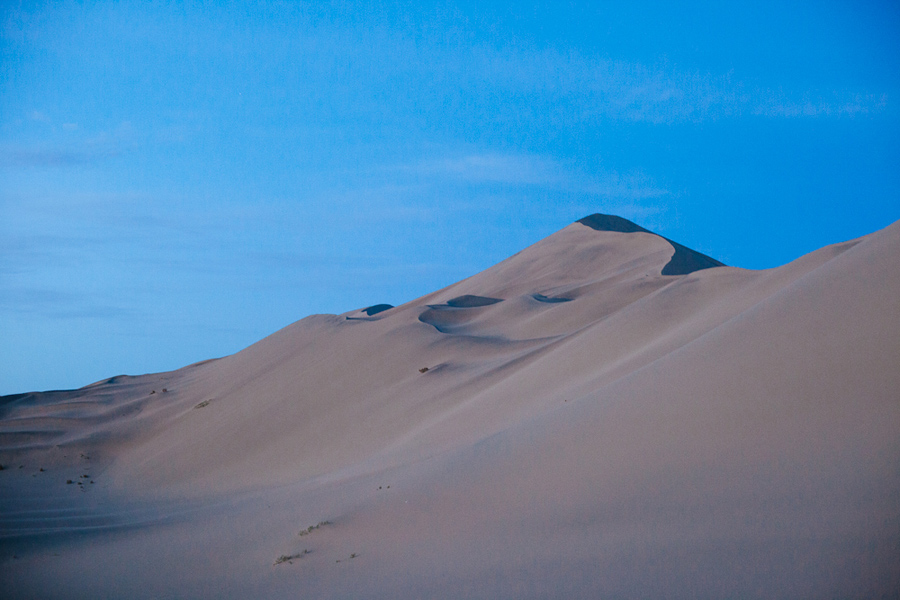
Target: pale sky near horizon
178,181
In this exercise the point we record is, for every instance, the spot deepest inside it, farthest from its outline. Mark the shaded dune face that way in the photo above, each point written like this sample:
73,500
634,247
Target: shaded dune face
580,420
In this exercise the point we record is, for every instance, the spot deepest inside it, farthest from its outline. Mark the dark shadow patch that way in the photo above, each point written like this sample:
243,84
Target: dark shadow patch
470,301
550,299
602,222
684,260
374,310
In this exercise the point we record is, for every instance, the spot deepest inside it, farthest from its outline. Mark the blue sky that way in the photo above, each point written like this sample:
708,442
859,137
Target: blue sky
179,180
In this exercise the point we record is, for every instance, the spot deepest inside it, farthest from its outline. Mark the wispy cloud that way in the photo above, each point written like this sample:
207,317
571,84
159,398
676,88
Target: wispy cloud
73,148
36,115
49,157
772,104
537,171
58,304
630,91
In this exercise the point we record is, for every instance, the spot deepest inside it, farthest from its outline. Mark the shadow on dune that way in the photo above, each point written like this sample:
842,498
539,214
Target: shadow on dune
370,311
550,299
374,310
470,301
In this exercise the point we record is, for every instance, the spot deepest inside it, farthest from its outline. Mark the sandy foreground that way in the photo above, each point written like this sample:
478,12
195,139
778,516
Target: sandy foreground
570,423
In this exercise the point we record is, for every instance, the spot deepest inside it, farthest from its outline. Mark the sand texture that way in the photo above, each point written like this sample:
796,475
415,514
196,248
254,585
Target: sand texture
604,414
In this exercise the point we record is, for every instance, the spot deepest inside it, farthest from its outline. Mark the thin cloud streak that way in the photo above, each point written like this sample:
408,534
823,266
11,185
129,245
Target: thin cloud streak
49,157
59,304
537,171
629,91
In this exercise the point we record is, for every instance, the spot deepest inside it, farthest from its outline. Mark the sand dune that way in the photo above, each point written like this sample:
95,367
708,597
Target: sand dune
604,414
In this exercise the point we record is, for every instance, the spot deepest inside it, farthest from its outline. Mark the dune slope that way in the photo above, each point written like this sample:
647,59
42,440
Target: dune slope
606,413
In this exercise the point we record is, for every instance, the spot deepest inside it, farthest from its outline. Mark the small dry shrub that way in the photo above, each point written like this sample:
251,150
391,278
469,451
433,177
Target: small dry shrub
312,528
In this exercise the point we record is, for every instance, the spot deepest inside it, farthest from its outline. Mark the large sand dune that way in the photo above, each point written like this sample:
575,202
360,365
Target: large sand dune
604,414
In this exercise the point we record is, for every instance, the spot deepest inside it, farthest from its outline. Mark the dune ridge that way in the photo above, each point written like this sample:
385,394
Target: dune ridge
684,260
605,413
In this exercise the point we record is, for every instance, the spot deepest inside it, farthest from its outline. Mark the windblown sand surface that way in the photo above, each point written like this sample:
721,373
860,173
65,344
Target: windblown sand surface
570,423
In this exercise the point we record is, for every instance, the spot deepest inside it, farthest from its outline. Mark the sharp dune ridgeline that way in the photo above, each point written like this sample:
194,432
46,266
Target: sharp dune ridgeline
604,414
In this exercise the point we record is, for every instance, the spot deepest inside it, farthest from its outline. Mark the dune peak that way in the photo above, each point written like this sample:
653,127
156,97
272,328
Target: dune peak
683,261
602,222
